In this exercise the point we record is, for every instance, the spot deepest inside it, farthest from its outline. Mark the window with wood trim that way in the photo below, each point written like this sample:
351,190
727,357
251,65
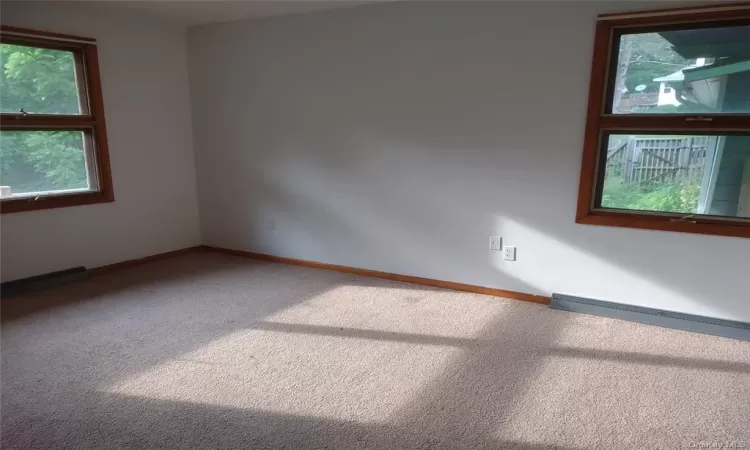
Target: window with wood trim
667,142
53,141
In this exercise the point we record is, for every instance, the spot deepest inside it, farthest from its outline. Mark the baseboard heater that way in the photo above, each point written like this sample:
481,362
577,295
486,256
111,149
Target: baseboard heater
42,282
650,316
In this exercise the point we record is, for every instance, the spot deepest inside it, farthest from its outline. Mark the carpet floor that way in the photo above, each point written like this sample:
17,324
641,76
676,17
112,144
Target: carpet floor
215,351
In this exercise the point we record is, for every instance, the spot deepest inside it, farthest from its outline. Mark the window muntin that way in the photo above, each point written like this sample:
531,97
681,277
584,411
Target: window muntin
725,125
53,145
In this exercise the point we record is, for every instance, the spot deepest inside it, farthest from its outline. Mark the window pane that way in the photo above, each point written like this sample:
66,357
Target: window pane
35,162
37,80
678,174
698,71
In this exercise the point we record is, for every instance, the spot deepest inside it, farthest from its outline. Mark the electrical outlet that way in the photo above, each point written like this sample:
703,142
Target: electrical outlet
509,253
496,243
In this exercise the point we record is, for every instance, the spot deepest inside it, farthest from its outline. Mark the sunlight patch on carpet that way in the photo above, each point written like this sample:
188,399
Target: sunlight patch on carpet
401,308
318,376
355,352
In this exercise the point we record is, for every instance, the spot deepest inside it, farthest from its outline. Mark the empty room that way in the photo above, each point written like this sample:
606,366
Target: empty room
374,224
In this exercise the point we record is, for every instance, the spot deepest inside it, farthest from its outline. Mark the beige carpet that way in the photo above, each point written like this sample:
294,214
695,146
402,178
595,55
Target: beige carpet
214,351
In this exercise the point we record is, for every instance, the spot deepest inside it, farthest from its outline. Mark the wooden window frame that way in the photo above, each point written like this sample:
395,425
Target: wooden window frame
599,123
90,122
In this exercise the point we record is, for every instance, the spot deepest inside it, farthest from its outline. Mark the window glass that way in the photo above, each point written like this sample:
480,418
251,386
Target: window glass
685,174
53,143
38,81
34,162
692,71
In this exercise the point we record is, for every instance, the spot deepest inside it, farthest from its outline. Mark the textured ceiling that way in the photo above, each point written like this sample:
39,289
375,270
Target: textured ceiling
197,12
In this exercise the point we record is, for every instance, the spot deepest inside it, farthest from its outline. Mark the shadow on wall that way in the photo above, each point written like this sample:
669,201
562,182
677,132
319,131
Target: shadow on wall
331,224
410,221
399,151
421,199
649,273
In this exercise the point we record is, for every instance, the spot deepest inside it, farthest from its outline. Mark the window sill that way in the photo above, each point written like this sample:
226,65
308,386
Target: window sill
735,228
14,205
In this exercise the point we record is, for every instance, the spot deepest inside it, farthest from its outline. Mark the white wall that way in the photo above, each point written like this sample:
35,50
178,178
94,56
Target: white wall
146,102
399,137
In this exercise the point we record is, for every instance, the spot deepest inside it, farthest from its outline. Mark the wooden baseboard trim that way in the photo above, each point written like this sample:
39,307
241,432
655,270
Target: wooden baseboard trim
26,303
385,275
95,271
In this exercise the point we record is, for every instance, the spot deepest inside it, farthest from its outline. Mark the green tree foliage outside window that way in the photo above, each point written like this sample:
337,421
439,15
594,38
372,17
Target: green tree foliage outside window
678,197
40,81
